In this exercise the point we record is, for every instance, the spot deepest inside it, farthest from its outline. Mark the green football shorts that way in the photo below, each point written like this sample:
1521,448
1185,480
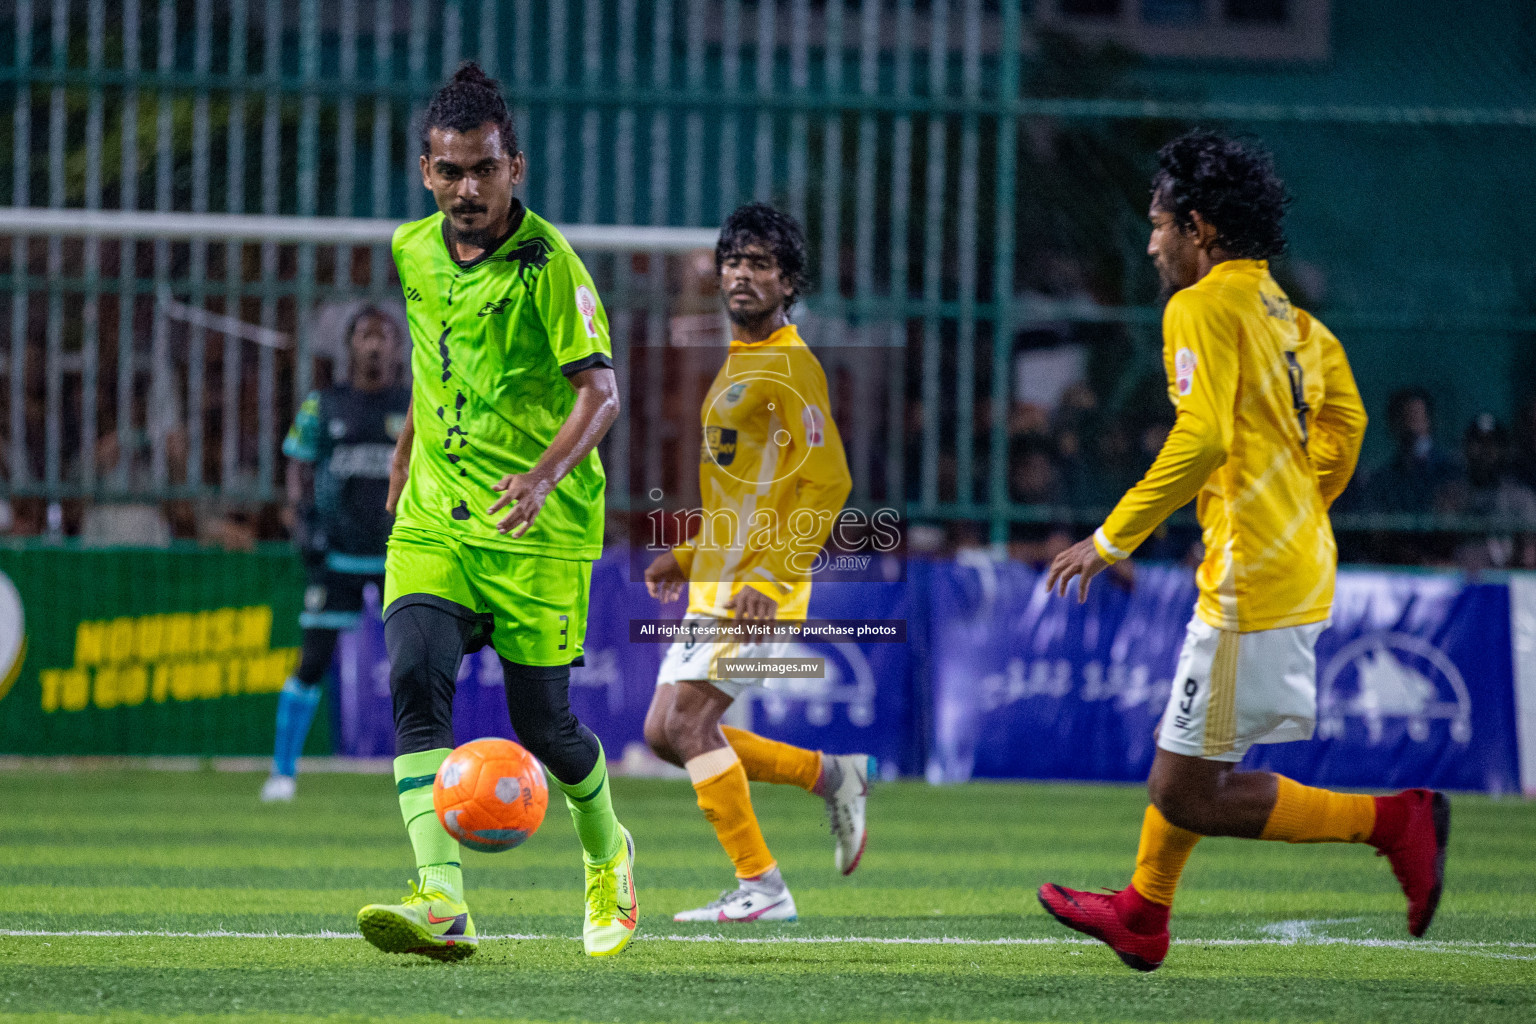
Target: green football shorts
535,605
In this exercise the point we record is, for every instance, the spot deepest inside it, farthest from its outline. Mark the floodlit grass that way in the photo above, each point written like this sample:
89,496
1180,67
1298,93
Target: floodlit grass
1265,932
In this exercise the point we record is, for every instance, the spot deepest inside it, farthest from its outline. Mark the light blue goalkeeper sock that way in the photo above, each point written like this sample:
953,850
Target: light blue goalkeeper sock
295,712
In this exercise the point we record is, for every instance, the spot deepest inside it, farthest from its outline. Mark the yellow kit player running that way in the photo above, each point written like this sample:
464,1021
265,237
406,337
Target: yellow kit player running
500,497
1268,429
772,476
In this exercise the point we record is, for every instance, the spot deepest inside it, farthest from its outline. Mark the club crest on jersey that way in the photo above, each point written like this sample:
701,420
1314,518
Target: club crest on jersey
719,446
735,391
586,305
338,428
1184,364
815,426
394,423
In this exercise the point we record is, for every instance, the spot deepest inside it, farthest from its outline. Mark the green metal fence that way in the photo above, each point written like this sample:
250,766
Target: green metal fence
972,175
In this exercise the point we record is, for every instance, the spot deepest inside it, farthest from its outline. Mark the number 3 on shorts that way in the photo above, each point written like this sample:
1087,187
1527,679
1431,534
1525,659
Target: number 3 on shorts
565,629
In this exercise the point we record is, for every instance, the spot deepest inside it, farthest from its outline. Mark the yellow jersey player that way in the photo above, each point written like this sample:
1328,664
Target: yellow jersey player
772,477
1267,431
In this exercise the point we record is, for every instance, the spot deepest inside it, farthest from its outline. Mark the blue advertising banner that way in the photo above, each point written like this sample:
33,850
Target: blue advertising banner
999,679
1415,688
864,704
1026,685
1415,680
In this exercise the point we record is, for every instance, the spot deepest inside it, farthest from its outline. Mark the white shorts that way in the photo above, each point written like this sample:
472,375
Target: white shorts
694,660
1232,690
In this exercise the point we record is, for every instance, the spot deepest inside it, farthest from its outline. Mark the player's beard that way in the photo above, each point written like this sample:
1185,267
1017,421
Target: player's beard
478,238
749,318
1168,282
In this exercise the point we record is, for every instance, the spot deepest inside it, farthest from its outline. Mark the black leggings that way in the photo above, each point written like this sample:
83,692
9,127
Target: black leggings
426,642
319,646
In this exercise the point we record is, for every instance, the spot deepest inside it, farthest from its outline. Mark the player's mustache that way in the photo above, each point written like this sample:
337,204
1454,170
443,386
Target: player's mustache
469,208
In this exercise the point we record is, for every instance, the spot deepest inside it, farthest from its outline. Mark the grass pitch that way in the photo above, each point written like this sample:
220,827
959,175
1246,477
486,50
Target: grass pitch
149,895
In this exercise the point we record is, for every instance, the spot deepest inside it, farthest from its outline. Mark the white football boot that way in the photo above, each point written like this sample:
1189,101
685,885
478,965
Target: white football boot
764,898
845,787
278,789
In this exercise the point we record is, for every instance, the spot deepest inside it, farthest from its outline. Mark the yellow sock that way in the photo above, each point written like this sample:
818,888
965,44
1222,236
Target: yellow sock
721,785
1304,814
768,760
1160,857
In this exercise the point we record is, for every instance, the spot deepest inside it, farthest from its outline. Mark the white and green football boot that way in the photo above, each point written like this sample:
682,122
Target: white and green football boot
426,922
613,909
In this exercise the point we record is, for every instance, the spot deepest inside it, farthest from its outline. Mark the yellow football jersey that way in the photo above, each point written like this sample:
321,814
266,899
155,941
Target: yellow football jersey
1267,433
772,475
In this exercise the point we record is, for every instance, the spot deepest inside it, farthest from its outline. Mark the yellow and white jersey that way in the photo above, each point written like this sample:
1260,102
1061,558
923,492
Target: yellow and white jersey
772,475
1267,433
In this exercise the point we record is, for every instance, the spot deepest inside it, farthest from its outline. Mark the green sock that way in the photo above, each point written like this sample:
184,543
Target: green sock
437,853
592,813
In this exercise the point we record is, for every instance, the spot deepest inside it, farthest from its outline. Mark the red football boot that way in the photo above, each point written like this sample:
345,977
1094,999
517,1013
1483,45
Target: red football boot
1411,832
1129,923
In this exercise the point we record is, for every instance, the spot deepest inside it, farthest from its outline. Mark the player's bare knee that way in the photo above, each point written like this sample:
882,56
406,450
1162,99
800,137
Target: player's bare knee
690,734
1179,805
657,737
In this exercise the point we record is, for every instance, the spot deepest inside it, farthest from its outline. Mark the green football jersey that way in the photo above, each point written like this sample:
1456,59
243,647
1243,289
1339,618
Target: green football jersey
493,342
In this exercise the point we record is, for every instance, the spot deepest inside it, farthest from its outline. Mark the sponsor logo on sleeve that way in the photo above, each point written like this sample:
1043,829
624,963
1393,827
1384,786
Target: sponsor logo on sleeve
815,426
1184,363
586,305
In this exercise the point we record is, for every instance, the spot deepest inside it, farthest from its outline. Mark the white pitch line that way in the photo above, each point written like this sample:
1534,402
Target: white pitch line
1464,946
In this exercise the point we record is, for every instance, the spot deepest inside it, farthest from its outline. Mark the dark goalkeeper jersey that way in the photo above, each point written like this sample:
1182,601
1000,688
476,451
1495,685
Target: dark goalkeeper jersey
493,343
349,437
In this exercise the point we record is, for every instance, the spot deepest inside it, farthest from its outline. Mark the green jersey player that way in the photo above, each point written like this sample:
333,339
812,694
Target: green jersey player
498,495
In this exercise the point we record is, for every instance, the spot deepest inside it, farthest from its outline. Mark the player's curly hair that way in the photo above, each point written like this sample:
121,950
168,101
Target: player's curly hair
774,230
1233,185
469,100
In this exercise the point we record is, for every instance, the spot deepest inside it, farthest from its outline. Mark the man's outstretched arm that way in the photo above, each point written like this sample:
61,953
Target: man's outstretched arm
597,406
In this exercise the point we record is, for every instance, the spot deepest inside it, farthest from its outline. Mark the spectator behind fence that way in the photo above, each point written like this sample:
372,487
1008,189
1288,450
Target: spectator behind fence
124,457
1489,489
1419,476
1033,478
